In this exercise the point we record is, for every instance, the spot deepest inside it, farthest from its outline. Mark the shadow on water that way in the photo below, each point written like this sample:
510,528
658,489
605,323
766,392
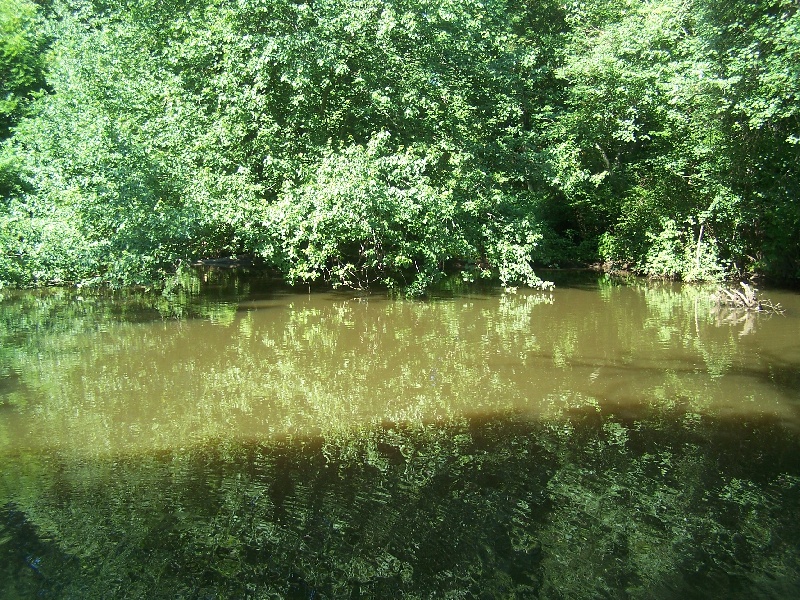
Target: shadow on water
786,377
663,505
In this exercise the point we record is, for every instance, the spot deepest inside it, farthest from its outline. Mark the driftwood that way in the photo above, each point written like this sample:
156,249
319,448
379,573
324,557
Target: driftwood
745,299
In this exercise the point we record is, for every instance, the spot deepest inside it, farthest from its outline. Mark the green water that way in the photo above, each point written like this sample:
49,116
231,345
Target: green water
235,440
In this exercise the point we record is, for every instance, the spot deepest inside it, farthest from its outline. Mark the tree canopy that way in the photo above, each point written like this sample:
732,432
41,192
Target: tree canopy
363,142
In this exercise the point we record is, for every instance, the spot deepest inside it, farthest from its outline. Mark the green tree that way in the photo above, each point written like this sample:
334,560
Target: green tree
677,142
756,47
183,130
484,138
21,59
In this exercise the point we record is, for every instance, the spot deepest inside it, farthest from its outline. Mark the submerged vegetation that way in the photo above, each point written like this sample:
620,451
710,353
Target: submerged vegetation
389,143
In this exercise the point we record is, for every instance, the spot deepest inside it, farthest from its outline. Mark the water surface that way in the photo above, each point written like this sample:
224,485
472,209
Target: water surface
605,439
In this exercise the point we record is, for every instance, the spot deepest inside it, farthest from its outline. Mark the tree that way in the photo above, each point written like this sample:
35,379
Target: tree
183,130
675,146
659,135
21,60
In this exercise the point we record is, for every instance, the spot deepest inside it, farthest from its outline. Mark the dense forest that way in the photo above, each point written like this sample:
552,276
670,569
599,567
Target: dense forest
394,142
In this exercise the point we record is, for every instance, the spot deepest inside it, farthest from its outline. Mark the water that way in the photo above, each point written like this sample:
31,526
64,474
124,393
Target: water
234,440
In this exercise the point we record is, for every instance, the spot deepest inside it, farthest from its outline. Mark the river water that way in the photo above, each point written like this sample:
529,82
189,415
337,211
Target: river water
227,439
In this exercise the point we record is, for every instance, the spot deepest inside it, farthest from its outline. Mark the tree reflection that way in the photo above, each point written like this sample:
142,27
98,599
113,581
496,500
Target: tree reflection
502,507
570,444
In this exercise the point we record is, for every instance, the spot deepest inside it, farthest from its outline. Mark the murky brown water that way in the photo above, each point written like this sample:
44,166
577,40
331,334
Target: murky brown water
273,365
613,387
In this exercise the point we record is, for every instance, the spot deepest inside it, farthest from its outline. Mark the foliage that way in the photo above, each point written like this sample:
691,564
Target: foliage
177,132
366,216
21,59
676,141
392,141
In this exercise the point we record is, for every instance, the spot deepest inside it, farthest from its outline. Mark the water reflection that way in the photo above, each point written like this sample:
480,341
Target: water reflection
660,507
104,376
602,440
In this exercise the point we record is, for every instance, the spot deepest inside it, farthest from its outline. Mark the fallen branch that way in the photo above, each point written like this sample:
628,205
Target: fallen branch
745,299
